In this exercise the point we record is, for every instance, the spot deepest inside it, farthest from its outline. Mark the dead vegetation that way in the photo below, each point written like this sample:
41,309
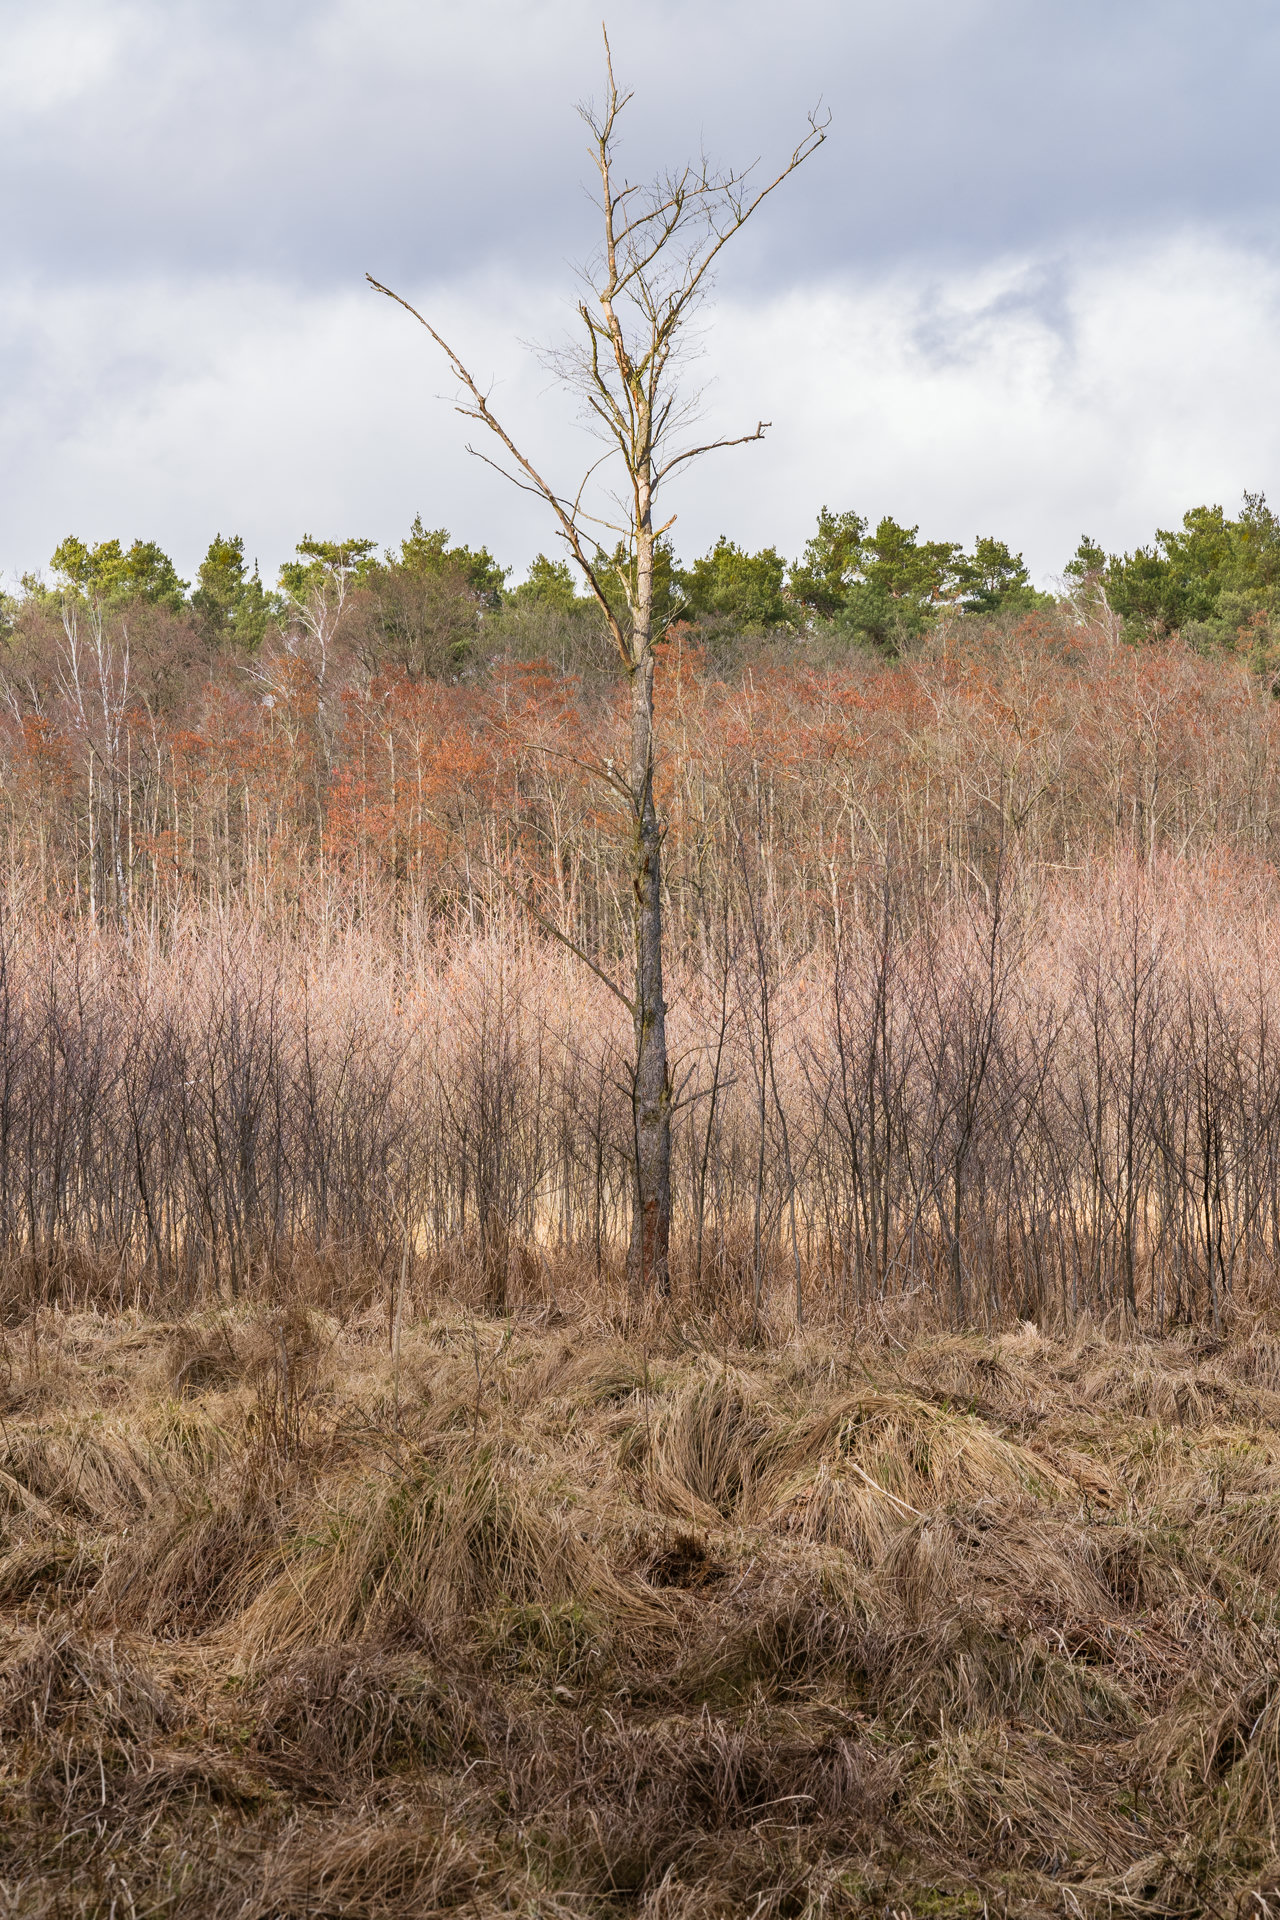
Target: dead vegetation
541,1618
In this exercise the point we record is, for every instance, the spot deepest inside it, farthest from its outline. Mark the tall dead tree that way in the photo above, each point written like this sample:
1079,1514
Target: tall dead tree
661,240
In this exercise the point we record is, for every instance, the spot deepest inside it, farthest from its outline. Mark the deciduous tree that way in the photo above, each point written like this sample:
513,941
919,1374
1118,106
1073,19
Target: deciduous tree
660,242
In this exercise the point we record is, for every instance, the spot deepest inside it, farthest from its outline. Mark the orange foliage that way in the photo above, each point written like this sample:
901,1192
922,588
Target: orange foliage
1052,738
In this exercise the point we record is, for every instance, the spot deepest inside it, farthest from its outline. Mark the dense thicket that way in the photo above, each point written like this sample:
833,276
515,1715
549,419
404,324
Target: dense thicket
971,962
971,943
1031,1105
417,734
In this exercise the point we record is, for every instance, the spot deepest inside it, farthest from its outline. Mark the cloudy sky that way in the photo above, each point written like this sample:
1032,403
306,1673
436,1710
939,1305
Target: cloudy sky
1029,286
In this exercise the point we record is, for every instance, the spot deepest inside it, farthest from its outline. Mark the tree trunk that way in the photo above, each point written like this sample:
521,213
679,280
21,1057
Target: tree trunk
658,252
647,1262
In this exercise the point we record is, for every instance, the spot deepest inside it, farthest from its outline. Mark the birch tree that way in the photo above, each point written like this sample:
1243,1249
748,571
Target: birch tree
660,242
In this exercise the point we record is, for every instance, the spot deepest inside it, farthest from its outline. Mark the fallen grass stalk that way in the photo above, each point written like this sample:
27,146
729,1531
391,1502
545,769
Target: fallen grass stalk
639,1626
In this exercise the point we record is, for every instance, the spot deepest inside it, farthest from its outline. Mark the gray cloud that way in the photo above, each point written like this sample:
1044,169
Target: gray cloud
310,140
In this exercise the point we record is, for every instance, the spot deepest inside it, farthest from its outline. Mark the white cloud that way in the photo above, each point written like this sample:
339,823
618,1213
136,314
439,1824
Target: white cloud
1033,399
1148,383
60,54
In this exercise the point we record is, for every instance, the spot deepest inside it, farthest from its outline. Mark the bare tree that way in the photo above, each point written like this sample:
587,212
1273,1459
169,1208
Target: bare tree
661,241
93,673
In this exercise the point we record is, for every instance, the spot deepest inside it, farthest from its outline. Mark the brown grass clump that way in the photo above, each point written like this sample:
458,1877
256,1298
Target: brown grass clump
517,1617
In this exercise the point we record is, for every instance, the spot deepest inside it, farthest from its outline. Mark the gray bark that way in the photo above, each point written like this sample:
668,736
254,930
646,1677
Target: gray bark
651,1097
647,1263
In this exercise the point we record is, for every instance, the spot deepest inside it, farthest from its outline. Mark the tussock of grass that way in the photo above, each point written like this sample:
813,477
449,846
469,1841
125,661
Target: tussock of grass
530,1619
419,1547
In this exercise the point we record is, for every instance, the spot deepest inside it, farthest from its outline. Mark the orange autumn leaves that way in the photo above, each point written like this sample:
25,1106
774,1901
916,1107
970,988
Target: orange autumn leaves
1047,733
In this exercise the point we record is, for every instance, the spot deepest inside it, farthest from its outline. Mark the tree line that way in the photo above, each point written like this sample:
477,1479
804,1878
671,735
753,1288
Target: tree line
431,606
431,599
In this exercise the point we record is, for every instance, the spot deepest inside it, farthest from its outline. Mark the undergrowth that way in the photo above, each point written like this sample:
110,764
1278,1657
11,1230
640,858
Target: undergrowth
530,1617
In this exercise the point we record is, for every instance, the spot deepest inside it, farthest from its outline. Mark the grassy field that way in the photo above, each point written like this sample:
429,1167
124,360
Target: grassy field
307,1615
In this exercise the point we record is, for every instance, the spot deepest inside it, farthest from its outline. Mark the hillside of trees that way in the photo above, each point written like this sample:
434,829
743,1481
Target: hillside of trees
431,608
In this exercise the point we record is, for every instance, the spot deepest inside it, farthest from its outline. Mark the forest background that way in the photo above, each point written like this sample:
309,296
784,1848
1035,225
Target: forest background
970,911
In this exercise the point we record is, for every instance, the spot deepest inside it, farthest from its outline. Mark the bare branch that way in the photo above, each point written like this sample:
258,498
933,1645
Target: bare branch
575,512
537,483
602,770
712,446
558,933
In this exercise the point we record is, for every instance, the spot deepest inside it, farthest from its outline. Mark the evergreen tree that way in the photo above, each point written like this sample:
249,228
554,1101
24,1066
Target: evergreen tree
617,575
320,562
550,584
744,588
901,584
229,602
832,563
994,580
111,572
1214,579
428,551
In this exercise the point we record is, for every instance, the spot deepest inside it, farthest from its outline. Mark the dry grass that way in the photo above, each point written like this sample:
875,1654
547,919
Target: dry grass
540,1620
